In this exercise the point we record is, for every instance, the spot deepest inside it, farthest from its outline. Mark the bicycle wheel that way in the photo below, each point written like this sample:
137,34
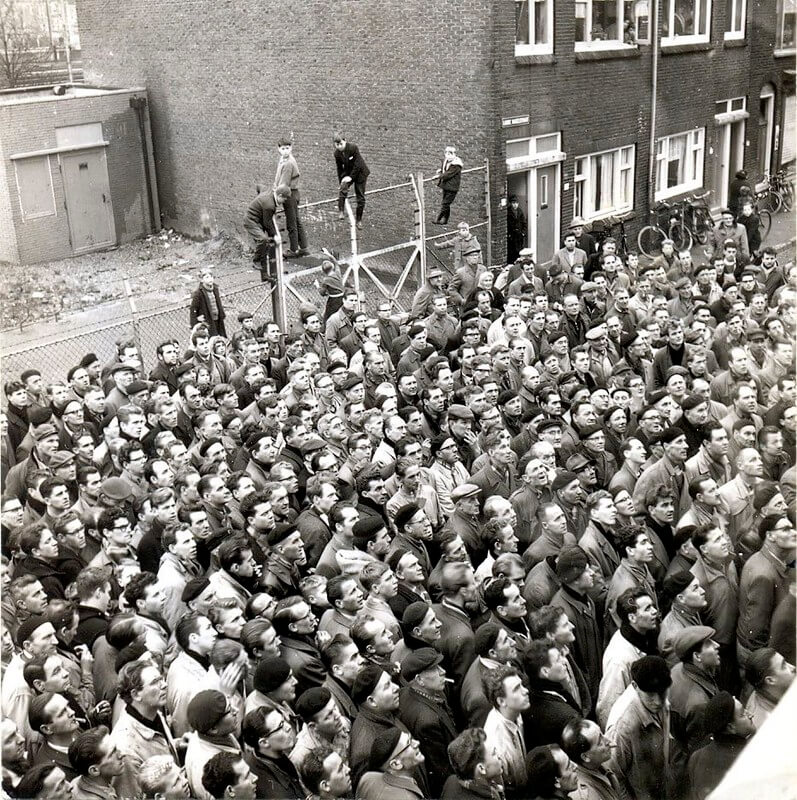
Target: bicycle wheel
772,201
702,227
764,223
650,239
681,236
787,194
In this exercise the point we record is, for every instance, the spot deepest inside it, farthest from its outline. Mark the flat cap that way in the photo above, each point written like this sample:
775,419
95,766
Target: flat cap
367,527
670,434
570,564
271,672
556,335
588,286
458,411
45,431
682,282
312,445
687,638
38,416
116,489
350,382
280,533
692,401
555,269
88,360
434,273
464,490
419,661
473,247
206,709
137,386
120,367
578,462
589,430
61,459
549,423
651,674
562,479
243,315
309,703
755,331
596,330
718,712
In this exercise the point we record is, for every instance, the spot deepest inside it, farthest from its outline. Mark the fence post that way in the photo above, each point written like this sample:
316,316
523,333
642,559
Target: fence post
488,208
355,258
134,314
278,289
420,199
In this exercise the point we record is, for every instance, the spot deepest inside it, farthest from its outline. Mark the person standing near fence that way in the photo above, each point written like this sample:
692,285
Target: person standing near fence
288,175
206,304
259,224
448,179
352,169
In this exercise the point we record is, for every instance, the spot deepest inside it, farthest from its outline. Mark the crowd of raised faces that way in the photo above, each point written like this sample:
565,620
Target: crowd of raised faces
534,539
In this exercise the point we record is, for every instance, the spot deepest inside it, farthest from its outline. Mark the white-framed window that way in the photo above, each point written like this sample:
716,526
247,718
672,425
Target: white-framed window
520,151
610,23
533,27
686,21
679,163
736,11
604,183
785,33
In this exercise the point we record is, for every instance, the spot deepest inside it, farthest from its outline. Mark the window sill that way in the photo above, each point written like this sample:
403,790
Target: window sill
729,43
783,53
607,54
539,59
686,47
677,191
626,213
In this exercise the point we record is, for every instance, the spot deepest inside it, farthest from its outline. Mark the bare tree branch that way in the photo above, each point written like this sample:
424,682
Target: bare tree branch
19,56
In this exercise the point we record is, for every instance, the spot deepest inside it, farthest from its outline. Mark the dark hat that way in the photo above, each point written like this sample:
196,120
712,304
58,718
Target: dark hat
415,330
682,282
312,445
589,430
382,748
464,490
588,286
651,674
748,272
194,588
670,434
365,529
88,360
365,682
28,626
309,703
120,367
549,423
474,247
718,712
38,416
687,638
333,365
271,672
762,494
405,514
692,401
659,394
181,369
556,335
555,269
414,614
137,386
419,661
702,268
116,489
571,564
280,533
562,479
676,582
61,459
627,339
206,709
242,315
755,331
458,411
45,431
351,381
578,462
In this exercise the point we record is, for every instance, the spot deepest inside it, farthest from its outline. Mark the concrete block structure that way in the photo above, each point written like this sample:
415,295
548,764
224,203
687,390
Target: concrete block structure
76,171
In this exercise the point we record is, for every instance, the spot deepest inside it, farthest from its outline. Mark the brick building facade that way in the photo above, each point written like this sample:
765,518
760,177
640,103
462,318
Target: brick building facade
557,95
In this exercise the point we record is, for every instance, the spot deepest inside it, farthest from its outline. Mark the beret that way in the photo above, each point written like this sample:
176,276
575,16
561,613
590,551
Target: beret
549,423
414,614
61,459
254,438
333,365
382,748
749,273
570,564
692,401
352,381
485,637
415,330
116,489
120,367
88,360
38,415
137,386
405,514
28,626
45,431
718,712
688,637
368,527
627,339
589,430
365,682
194,588
651,674
242,315
596,330
670,434
312,445
541,766
562,479
703,267
555,336
656,396
676,582
555,269
458,411
464,490
271,672
206,709
577,462
309,703
419,661
280,533
676,370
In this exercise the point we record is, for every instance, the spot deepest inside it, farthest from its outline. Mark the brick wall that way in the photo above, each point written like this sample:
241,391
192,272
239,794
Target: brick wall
31,126
8,235
226,80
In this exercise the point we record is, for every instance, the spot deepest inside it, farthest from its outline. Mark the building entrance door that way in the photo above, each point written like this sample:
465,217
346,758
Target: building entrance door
729,147
546,214
88,200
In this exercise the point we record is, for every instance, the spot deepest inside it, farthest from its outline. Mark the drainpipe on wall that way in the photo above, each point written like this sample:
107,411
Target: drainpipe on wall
139,105
654,32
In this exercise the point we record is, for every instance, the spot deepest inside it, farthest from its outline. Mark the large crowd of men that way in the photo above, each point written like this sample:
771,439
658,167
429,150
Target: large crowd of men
533,539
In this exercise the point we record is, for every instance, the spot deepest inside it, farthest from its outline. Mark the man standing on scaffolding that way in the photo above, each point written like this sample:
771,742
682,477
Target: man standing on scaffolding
352,169
259,224
288,175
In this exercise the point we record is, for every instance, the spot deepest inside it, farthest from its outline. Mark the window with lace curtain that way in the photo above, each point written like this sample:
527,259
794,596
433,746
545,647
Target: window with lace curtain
686,22
604,183
610,23
679,163
785,34
533,27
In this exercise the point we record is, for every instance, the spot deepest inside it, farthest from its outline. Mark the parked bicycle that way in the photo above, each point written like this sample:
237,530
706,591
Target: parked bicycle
603,229
697,216
668,224
775,192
